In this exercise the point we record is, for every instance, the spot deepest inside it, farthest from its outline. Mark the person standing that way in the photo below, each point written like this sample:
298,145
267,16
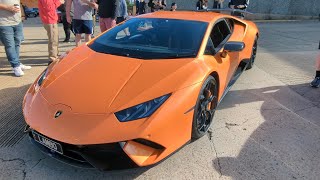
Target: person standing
316,82
218,4
107,13
174,6
142,7
66,25
137,6
11,34
152,5
205,4
122,11
49,18
200,4
82,18
239,4
160,5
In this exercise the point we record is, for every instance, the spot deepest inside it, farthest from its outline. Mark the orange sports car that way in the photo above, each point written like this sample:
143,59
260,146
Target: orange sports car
140,91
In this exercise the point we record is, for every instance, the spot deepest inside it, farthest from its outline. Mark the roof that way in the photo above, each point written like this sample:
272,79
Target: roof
185,15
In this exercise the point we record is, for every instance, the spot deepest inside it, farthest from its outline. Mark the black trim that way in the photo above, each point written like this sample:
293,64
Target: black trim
191,109
241,68
149,143
102,156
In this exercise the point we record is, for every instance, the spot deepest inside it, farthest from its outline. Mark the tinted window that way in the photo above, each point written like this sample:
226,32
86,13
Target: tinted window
147,38
230,23
219,33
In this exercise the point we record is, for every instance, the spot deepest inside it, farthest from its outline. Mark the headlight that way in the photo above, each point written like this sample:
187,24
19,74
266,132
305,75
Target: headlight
142,110
42,77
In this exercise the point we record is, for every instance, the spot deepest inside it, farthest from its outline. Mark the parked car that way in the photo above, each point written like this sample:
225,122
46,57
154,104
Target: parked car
140,91
31,12
36,10
59,16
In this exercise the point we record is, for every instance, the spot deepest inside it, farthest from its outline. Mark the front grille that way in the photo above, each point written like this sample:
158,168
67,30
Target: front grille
104,156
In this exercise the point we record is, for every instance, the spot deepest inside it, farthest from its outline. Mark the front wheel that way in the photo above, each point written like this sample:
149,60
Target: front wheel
205,108
253,54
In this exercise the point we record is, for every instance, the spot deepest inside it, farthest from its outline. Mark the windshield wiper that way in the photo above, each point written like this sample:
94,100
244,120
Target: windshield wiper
179,56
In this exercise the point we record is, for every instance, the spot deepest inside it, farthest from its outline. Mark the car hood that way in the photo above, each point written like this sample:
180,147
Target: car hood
94,83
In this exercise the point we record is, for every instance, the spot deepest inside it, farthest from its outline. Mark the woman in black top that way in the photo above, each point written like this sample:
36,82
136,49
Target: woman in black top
200,4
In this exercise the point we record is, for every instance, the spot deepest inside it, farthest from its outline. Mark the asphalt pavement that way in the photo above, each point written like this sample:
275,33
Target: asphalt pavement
267,127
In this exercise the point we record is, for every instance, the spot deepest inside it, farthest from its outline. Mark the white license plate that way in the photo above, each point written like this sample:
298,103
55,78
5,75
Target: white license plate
47,142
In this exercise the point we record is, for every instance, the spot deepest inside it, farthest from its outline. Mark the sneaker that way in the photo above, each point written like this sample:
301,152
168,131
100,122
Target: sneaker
18,71
316,82
66,41
24,67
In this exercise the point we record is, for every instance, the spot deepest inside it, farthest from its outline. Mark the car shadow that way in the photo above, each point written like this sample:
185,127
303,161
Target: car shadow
36,42
285,144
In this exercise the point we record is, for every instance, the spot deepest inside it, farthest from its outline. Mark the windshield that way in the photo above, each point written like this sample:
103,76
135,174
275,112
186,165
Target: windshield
146,38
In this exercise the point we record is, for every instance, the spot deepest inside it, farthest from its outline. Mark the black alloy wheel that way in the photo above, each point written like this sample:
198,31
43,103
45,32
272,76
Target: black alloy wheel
205,108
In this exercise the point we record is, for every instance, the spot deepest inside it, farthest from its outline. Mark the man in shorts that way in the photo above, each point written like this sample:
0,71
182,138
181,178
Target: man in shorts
82,18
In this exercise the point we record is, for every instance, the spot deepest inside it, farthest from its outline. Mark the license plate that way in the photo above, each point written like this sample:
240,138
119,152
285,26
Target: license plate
54,146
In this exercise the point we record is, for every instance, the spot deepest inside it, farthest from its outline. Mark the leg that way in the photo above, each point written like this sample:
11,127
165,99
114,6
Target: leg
316,82
78,40
68,32
56,41
78,30
87,37
66,28
113,23
215,4
318,63
18,37
53,37
102,24
110,23
8,40
88,29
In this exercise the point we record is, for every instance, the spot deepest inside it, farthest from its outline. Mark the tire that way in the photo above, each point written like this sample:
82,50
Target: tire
253,54
205,108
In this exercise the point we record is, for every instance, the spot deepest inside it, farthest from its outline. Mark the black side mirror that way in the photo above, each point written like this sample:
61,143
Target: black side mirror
234,46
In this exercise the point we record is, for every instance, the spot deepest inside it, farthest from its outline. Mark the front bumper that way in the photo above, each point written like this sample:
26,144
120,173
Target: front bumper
104,157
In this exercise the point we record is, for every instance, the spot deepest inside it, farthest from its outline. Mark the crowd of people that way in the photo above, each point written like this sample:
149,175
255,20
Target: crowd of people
79,16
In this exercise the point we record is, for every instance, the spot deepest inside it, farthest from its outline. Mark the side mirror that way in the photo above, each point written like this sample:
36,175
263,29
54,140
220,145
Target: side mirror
234,46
